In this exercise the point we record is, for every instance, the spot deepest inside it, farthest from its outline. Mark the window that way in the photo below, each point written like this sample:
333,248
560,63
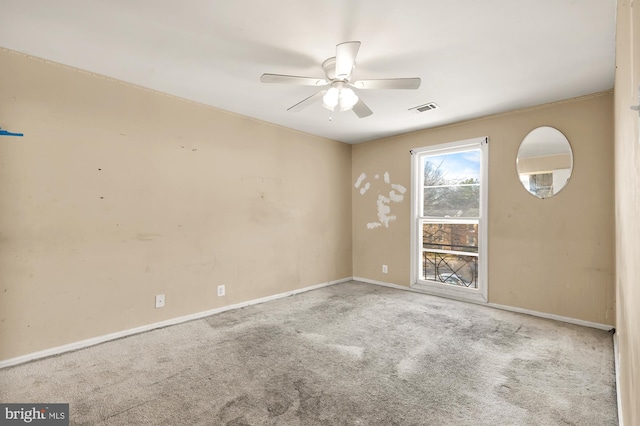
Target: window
449,219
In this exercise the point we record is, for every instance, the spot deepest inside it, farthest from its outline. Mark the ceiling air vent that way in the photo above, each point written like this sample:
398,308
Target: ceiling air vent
426,107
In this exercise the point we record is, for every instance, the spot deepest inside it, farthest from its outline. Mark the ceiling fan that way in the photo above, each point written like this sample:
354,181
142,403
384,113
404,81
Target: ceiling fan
340,94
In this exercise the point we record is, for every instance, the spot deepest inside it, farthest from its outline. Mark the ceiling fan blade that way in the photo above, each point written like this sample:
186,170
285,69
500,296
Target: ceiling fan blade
308,101
361,109
346,58
293,79
388,83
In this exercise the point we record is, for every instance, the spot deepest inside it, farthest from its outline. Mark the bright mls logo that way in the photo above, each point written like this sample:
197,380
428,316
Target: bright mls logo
34,414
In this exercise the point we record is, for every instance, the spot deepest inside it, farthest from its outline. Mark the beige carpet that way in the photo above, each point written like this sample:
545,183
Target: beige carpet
349,354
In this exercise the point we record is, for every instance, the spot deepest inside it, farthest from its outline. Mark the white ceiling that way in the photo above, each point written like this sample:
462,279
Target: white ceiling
475,57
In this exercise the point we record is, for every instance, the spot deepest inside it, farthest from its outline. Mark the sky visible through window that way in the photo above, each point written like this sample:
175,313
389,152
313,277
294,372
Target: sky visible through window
457,167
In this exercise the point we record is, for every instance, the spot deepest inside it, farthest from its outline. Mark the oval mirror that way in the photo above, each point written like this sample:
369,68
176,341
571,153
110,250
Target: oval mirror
544,162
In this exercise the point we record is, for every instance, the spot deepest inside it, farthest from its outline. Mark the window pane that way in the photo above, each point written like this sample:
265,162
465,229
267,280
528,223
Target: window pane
450,236
452,169
452,184
452,201
450,269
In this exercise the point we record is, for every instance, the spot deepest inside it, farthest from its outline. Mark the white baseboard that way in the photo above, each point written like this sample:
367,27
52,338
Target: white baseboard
616,364
606,327
120,334
382,283
498,306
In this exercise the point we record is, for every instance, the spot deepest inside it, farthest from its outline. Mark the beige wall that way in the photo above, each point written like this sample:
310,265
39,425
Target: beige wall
116,194
554,255
627,190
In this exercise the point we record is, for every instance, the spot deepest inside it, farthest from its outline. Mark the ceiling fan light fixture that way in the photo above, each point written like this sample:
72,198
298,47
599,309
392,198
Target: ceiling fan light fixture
331,98
347,99
339,96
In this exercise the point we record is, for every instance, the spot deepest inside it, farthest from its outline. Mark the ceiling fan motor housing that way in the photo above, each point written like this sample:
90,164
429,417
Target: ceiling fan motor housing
329,67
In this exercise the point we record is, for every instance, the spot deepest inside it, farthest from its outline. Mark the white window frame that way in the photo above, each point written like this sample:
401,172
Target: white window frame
479,294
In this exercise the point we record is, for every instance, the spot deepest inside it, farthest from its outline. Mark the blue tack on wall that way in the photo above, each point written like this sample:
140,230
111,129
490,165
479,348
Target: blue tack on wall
7,133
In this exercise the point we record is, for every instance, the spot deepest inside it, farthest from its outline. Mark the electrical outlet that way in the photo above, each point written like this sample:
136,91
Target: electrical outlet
385,269
221,290
160,301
